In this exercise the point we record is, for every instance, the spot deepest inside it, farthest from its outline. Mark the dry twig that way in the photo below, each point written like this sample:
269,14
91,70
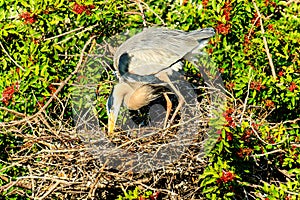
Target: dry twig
11,57
265,40
246,99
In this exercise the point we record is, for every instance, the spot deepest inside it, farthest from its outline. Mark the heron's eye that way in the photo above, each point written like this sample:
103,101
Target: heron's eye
124,61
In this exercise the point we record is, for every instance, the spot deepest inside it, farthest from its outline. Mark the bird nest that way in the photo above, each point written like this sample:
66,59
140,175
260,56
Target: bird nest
143,142
139,148
58,163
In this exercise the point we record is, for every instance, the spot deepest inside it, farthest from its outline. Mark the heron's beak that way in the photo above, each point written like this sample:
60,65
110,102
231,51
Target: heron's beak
111,122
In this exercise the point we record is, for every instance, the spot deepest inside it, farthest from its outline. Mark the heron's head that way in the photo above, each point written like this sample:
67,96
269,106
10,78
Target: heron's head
113,105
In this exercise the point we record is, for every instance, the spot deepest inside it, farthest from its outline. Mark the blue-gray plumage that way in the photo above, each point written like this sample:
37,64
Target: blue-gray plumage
148,59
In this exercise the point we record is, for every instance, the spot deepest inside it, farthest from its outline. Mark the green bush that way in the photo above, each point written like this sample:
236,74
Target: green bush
256,155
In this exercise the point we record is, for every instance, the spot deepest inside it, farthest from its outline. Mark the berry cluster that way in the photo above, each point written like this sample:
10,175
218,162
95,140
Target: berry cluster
8,92
228,118
226,177
204,3
52,89
222,28
28,17
79,9
244,152
293,86
255,20
256,85
269,103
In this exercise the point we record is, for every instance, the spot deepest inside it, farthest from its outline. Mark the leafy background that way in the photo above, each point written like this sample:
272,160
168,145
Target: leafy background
256,156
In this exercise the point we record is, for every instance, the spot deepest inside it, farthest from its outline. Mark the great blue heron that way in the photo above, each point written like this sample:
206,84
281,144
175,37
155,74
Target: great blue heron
148,59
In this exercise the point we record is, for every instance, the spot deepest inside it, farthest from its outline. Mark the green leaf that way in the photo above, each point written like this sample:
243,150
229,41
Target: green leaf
37,70
211,180
214,5
9,26
230,194
24,3
27,71
44,70
210,189
56,46
59,3
220,147
4,64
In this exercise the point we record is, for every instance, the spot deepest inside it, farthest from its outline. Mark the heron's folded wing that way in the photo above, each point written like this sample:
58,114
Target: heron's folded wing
156,49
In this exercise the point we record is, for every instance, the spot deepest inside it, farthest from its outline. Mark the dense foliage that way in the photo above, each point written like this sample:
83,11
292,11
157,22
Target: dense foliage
256,49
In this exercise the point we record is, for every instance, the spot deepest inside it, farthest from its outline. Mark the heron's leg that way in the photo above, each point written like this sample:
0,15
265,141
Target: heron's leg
169,107
164,77
181,101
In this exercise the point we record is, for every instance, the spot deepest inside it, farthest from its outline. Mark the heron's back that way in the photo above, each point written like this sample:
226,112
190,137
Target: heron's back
156,49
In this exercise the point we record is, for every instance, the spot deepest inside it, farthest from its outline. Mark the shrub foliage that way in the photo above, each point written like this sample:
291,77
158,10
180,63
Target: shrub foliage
256,48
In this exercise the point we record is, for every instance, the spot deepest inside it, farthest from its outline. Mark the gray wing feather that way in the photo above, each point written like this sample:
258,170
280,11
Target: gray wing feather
156,49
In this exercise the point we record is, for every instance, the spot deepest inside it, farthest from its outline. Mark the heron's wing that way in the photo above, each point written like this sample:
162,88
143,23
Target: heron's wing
150,61
156,49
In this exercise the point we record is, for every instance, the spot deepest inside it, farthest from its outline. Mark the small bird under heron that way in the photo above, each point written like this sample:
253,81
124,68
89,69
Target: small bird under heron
148,59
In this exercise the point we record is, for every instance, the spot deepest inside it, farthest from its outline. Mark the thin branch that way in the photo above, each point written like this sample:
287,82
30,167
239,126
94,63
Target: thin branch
93,187
50,178
32,181
132,13
271,152
155,189
84,30
252,26
246,99
11,57
294,121
257,135
11,183
50,190
142,12
265,40
147,6
12,111
63,34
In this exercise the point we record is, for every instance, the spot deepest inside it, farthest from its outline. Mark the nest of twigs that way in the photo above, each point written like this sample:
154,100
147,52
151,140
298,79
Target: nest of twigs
59,165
